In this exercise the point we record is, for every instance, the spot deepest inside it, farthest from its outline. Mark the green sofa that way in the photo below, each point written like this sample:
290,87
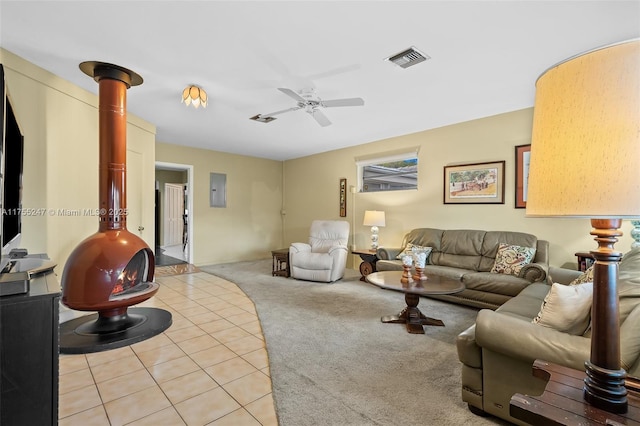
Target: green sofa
469,255
498,351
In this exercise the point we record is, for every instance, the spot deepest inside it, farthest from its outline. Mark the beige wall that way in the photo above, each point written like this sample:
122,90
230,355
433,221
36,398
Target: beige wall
311,189
250,226
59,122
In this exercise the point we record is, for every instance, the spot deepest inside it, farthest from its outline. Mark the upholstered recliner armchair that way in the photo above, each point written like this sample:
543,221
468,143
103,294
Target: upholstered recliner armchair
324,259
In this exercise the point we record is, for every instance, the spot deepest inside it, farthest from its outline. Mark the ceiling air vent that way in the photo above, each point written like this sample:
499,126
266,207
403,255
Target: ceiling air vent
408,57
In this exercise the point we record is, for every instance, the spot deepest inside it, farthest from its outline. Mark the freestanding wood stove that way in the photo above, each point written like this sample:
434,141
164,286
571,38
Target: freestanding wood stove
113,268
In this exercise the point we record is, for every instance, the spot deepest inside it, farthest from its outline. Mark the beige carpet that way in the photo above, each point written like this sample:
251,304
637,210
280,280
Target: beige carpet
334,363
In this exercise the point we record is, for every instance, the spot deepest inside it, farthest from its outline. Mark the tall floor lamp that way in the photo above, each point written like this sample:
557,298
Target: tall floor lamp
585,162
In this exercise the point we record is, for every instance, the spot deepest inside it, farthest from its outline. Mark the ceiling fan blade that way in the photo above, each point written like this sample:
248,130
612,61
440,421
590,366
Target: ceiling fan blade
320,118
333,72
271,114
292,94
342,102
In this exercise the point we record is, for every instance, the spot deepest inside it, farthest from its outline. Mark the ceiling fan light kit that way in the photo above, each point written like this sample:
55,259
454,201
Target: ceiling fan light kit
194,95
263,119
311,103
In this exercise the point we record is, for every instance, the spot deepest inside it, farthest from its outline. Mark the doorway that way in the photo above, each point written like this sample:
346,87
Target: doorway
174,211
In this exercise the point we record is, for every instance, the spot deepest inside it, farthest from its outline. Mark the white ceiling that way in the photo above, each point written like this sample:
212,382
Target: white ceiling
485,58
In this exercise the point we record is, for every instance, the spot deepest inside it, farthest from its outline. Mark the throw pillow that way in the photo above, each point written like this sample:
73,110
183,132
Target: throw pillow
510,259
408,250
567,308
586,277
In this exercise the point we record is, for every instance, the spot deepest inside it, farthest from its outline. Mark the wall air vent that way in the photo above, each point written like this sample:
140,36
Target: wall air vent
408,57
262,119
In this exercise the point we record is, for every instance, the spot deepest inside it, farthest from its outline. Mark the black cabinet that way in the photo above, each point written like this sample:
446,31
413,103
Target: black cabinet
29,354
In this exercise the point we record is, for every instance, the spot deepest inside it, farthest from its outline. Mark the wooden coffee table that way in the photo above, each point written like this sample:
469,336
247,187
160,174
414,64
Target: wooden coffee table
411,315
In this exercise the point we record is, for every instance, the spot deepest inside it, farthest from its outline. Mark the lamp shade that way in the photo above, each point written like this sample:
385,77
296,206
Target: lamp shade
373,218
585,148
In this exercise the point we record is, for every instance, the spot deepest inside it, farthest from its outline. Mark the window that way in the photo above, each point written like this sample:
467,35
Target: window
391,172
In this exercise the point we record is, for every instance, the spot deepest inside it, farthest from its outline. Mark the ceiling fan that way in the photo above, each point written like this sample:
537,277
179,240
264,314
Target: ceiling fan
311,103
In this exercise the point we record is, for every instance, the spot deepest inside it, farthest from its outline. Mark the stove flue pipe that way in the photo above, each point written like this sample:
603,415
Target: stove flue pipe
113,82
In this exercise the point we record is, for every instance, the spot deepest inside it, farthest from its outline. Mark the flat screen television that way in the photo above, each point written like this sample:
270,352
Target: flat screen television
11,154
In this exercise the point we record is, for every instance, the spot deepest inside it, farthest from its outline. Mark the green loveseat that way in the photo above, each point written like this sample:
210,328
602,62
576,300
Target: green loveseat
469,255
498,351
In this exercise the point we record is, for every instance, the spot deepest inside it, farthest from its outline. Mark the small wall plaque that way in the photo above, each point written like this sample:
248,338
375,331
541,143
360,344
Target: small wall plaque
343,197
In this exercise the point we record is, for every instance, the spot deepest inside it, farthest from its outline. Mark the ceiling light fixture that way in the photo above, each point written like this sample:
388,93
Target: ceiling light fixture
194,95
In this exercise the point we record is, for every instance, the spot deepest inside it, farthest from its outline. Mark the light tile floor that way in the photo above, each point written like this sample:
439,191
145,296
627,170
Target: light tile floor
209,368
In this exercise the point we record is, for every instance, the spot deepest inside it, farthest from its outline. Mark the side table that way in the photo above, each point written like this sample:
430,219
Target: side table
562,402
280,262
585,260
368,265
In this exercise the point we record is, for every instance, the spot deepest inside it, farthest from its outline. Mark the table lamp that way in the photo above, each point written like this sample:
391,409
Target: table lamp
585,154
374,218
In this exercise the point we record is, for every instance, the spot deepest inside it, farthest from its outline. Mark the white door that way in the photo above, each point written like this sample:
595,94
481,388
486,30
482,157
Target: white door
173,211
140,178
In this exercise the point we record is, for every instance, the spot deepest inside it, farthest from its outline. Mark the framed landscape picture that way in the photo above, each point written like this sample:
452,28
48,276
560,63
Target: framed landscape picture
523,153
479,183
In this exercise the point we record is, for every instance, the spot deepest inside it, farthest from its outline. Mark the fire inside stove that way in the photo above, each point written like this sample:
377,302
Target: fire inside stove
133,277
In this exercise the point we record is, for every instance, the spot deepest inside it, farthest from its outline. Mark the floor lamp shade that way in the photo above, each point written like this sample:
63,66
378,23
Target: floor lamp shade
374,218
585,151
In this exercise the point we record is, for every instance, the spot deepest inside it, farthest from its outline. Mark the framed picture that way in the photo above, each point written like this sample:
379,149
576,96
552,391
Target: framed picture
523,155
479,183
343,197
